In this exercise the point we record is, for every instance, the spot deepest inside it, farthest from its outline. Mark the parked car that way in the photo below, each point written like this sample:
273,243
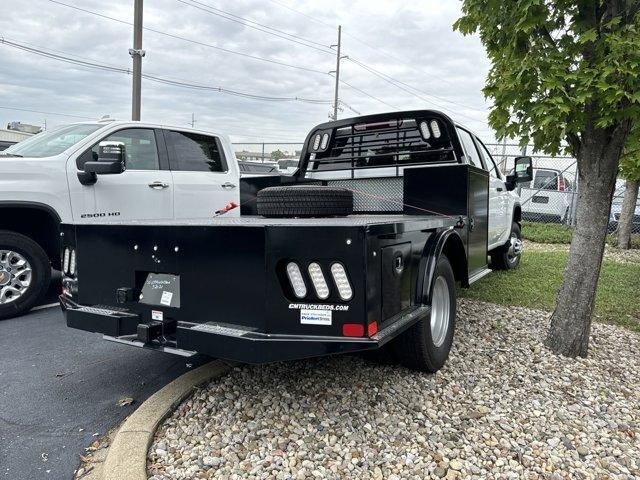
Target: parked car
615,217
5,144
257,168
171,173
359,250
548,197
288,166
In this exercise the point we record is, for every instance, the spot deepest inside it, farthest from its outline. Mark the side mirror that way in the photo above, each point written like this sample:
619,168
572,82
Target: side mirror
524,169
111,159
523,172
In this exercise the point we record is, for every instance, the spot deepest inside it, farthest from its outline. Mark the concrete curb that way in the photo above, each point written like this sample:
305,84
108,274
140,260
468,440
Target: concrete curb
127,455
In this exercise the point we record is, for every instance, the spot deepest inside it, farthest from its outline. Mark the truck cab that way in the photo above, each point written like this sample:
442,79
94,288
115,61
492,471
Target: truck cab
169,173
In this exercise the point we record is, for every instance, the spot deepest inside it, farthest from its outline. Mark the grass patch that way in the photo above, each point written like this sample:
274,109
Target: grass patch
536,282
556,233
546,232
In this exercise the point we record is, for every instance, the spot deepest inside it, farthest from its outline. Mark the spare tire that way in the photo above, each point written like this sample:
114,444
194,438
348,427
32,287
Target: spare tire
305,201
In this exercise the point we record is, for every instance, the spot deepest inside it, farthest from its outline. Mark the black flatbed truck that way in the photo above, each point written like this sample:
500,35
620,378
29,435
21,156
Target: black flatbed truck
258,290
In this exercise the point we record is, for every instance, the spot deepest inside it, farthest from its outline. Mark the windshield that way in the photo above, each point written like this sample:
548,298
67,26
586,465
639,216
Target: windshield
48,144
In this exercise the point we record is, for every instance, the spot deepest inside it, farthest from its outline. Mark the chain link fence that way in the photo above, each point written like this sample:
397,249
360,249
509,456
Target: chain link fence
552,194
550,197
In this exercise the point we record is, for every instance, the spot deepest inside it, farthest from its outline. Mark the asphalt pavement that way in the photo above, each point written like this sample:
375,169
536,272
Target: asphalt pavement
59,389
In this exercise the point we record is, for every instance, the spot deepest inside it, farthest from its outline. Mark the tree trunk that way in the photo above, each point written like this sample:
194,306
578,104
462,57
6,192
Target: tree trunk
625,222
571,321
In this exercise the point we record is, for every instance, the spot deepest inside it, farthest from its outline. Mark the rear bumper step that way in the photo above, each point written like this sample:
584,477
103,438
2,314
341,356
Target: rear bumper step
229,342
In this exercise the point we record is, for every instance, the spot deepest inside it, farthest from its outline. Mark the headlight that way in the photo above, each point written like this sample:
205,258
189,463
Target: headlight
296,280
316,142
342,281
319,283
72,263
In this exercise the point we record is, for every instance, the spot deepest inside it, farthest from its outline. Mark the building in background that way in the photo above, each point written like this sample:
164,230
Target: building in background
24,127
253,156
16,132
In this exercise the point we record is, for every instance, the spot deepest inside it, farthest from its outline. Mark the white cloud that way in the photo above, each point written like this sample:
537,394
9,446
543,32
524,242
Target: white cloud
412,42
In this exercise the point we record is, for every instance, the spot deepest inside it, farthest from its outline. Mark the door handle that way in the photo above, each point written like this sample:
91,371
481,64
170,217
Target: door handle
158,185
228,185
499,189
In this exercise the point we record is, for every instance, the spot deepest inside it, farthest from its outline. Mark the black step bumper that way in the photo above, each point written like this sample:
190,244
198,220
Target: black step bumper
229,342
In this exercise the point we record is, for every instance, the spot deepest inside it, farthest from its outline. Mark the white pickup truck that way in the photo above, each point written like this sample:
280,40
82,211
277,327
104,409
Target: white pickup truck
171,173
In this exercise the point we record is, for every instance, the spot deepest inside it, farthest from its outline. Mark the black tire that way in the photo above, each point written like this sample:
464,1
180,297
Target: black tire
415,348
40,276
502,258
305,201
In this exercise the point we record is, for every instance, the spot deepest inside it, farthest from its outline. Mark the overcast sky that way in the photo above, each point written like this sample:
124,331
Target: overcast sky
412,42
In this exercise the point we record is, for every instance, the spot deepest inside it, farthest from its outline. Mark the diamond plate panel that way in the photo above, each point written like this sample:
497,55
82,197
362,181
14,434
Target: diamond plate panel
374,194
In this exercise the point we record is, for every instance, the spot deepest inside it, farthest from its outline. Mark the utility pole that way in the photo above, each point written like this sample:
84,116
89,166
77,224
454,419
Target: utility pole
193,120
136,54
338,58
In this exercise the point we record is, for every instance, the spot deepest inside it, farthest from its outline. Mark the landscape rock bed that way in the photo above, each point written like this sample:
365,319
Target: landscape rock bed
502,407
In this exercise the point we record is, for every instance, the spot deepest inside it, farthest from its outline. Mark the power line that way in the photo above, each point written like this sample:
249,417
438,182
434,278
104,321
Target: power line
388,55
396,59
58,2
368,94
310,17
71,115
359,40
397,84
4,107
190,40
256,25
148,76
372,70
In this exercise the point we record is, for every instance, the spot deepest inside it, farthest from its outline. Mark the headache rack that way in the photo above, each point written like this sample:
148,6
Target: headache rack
395,140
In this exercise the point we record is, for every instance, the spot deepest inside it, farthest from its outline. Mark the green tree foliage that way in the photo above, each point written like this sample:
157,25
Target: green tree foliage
277,155
559,67
565,75
630,165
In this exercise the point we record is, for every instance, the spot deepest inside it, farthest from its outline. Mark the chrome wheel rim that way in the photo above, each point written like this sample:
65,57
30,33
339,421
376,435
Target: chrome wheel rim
15,276
440,311
515,248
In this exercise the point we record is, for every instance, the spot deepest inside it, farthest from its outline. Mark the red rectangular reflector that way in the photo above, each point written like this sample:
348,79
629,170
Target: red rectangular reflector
352,330
372,329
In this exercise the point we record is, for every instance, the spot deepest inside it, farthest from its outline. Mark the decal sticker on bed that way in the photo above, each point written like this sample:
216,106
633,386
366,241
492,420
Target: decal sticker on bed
166,298
315,317
318,306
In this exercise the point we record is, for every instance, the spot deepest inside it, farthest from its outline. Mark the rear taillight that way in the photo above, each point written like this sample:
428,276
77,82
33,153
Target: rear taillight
296,280
319,283
342,281
353,330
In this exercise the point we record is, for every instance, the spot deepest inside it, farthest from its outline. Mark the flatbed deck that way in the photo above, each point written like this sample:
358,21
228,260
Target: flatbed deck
391,222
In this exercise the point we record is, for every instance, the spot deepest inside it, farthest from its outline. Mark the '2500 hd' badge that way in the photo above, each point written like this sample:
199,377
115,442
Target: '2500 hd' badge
100,215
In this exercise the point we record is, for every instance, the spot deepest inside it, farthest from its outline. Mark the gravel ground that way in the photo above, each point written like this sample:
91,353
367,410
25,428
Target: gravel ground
610,253
502,407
